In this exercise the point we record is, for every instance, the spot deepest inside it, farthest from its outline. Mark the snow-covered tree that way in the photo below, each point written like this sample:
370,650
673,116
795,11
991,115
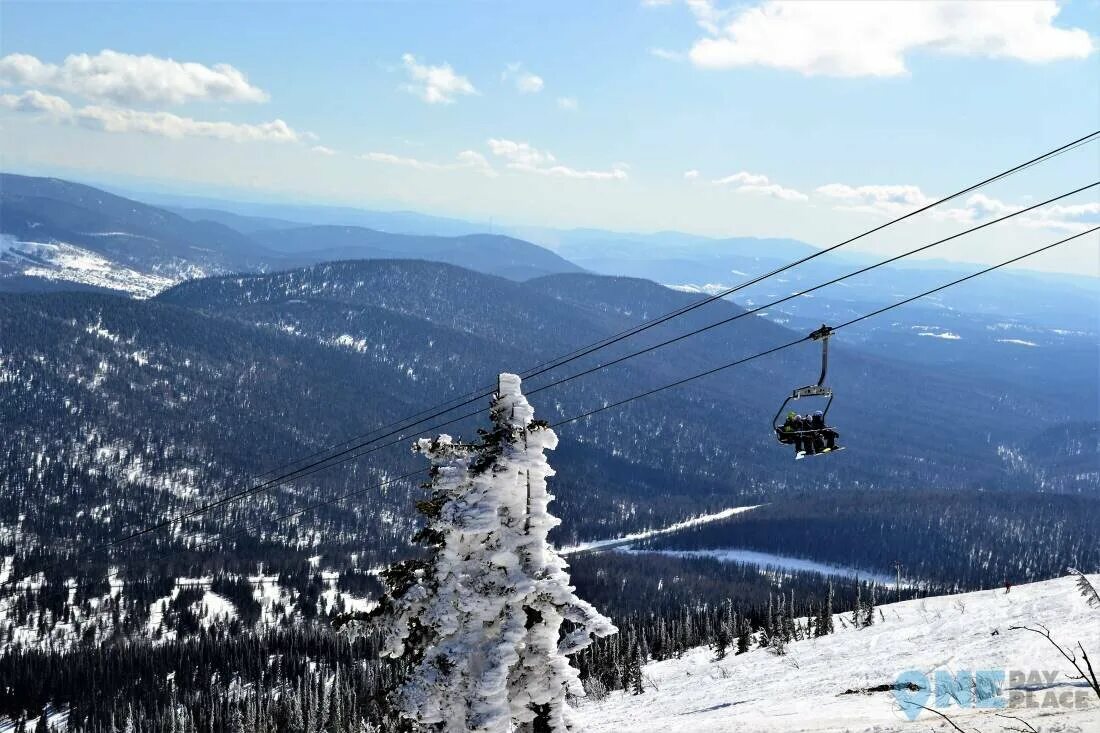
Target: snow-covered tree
487,618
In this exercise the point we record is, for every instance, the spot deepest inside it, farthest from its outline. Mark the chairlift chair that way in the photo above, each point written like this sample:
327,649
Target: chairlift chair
812,390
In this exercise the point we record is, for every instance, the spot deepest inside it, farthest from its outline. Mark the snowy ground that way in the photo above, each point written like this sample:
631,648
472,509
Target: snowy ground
803,691
69,263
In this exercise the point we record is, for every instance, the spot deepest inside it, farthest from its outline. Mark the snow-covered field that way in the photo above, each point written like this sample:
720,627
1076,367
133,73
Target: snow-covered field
804,690
69,263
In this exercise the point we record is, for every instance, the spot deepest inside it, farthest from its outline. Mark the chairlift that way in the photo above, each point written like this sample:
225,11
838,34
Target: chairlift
811,435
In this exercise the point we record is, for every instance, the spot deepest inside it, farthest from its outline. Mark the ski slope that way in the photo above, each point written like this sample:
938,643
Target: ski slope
759,692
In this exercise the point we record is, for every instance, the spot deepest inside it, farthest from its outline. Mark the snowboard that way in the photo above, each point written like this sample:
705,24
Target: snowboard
800,456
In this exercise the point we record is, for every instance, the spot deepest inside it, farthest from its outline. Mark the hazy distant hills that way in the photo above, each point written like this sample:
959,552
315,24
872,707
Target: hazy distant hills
55,232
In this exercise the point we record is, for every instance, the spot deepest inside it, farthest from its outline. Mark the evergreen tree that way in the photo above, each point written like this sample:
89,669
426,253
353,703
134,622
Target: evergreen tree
637,685
744,636
721,641
479,618
826,626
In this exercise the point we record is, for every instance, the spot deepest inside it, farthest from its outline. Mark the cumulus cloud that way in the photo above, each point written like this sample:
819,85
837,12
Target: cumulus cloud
743,177
467,159
849,38
322,150
745,182
888,200
124,78
894,200
164,124
35,101
691,175
1059,217
524,81
568,103
522,156
476,161
435,84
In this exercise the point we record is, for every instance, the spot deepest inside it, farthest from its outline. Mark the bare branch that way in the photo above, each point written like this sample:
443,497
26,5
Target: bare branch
951,722
1086,673
1030,727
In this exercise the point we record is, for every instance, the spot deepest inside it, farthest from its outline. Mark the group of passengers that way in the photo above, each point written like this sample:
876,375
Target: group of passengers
808,433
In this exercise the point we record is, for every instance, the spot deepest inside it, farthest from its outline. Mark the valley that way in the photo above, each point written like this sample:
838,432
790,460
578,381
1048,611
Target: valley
145,376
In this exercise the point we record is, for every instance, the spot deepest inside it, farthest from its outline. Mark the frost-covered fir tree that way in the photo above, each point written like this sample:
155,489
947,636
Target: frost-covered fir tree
487,618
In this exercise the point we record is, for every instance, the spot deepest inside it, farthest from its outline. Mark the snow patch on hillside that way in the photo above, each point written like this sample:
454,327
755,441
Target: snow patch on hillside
58,261
805,689
646,534
778,562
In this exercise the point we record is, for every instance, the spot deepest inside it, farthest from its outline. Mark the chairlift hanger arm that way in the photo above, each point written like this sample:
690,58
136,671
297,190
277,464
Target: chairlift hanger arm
822,334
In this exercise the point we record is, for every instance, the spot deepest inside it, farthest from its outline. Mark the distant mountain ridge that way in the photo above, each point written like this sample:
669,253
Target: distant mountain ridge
56,233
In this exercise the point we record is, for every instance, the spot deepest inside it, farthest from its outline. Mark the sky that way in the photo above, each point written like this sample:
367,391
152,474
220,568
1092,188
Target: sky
773,119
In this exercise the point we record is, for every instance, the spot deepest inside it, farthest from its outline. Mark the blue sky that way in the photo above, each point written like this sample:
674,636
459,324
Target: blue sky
810,120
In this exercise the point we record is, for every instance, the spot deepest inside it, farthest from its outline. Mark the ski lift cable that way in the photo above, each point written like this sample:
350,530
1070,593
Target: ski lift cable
851,322
612,405
358,449
474,396
800,293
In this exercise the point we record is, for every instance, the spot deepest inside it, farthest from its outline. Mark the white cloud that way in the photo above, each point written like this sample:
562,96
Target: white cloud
322,150
519,155
850,38
889,200
35,101
664,53
758,183
467,159
522,156
164,124
435,84
568,103
742,177
528,83
124,78
525,81
691,175
895,200
776,191
476,161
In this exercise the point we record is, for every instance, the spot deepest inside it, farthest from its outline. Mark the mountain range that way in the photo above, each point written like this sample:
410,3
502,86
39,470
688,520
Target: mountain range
254,345
58,234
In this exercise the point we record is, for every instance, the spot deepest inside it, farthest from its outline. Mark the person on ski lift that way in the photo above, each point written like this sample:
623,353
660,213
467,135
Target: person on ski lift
823,437
792,431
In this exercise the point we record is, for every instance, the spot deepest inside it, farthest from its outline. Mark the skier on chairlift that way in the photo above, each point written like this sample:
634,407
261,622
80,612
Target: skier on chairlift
824,437
793,431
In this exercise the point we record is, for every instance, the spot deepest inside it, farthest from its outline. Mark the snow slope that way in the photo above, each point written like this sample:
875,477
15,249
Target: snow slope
69,263
802,691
